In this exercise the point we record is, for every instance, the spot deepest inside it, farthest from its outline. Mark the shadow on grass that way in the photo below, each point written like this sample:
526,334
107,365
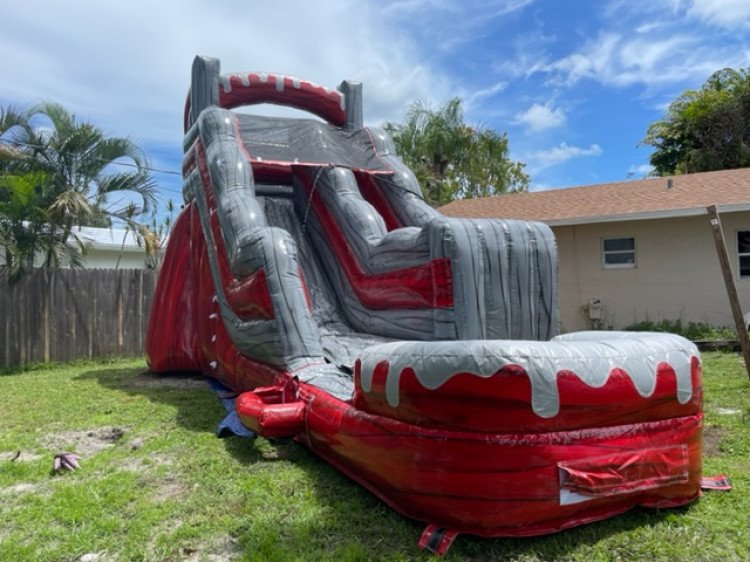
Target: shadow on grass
188,393
354,524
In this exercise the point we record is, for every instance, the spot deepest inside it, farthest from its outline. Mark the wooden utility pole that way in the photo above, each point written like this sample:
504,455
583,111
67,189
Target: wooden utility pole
726,270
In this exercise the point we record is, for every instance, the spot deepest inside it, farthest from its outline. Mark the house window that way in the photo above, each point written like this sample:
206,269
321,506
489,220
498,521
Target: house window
743,253
620,252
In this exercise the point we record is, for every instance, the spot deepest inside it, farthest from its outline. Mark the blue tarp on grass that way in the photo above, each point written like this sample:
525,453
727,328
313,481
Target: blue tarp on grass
231,424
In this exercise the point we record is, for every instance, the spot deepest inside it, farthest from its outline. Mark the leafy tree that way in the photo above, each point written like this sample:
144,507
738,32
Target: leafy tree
706,129
453,160
55,174
27,227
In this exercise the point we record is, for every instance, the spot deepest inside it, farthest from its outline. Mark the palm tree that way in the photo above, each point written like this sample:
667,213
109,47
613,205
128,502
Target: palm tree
57,173
78,158
452,159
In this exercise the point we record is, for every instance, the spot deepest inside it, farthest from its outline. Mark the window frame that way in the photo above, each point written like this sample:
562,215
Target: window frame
605,253
740,255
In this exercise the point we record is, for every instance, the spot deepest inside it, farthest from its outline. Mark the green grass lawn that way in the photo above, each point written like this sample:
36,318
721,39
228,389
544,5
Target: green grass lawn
156,484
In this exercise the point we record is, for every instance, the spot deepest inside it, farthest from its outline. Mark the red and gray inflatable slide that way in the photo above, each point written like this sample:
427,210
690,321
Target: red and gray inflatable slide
416,353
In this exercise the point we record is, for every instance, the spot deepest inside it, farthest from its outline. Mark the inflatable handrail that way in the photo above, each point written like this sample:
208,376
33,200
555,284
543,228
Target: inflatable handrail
261,258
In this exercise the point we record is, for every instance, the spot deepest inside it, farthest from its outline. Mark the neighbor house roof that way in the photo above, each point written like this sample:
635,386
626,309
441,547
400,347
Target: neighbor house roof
109,238
653,198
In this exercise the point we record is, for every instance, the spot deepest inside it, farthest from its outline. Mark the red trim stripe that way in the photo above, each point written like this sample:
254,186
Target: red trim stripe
374,195
299,94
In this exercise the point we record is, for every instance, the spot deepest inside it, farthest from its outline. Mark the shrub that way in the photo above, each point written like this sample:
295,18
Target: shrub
694,331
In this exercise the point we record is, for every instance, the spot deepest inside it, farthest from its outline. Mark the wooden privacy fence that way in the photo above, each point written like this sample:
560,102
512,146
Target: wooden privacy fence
67,314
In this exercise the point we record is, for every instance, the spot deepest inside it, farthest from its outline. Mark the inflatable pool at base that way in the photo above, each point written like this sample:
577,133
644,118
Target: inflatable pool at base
416,353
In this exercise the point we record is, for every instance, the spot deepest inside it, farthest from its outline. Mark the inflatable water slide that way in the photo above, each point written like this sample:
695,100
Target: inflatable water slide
416,353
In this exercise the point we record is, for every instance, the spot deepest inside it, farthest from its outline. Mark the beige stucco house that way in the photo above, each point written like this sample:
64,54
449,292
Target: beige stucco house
639,250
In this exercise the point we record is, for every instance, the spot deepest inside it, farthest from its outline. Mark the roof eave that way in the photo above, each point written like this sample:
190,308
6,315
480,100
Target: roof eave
127,248
649,215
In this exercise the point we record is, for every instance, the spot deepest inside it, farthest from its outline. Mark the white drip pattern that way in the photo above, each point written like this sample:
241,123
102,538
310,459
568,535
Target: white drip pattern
591,356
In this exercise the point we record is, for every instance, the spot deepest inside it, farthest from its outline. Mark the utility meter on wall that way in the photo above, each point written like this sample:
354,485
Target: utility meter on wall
595,308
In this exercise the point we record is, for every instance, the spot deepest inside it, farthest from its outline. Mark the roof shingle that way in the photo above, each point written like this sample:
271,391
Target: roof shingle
599,203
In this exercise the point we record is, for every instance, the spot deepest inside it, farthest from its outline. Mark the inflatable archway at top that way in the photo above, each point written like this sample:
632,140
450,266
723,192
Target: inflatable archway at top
418,354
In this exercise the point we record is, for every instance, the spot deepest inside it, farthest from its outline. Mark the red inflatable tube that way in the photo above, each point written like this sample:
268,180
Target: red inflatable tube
265,412
500,484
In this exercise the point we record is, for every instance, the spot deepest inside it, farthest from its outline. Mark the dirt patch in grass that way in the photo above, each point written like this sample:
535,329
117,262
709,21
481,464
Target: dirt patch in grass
170,488
277,454
19,456
85,443
147,379
94,557
22,488
138,464
220,551
712,437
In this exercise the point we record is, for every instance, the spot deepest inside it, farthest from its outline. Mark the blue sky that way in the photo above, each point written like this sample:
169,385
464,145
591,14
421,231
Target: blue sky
574,84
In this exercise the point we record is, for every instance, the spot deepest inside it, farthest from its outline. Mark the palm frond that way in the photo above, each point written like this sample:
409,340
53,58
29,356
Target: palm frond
114,148
63,122
137,182
13,122
69,206
16,267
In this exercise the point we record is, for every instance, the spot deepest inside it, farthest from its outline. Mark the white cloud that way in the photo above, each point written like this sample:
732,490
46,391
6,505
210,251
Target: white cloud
540,117
561,153
652,26
542,186
477,97
503,7
658,43
529,54
472,11
127,66
448,26
618,59
640,171
594,60
651,11
722,13
410,7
